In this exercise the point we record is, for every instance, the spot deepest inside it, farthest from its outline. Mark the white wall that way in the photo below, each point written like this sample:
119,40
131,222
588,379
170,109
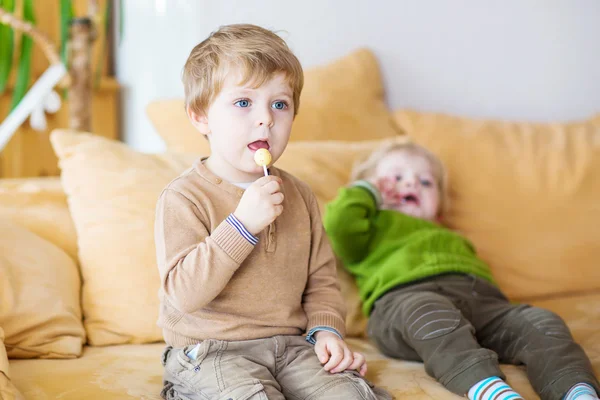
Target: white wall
512,59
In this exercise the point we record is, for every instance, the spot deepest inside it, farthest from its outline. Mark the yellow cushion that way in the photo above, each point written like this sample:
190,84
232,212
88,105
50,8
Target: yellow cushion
39,296
526,194
343,100
112,193
40,205
8,391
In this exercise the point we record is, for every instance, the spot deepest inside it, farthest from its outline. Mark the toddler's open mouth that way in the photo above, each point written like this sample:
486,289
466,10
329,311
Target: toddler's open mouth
410,199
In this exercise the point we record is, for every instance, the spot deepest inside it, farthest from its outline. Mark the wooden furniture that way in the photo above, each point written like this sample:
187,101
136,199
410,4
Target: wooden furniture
29,153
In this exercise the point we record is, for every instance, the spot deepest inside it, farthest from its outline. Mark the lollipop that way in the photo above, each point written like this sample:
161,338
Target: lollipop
262,158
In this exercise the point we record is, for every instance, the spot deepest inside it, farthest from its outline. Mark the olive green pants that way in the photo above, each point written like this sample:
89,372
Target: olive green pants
461,326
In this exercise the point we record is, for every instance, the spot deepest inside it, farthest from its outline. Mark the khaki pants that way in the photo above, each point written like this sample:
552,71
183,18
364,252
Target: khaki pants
460,326
281,367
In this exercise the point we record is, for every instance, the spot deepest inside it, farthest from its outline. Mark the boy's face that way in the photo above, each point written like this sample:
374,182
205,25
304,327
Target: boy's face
243,119
408,185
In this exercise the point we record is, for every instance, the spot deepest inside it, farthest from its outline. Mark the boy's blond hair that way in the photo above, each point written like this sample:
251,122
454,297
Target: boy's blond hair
257,52
365,168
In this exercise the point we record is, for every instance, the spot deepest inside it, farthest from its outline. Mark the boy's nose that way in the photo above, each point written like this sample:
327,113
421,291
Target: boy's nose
267,123
265,119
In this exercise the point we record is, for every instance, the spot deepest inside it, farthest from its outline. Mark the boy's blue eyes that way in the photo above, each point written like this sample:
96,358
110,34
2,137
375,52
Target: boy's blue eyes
278,105
242,103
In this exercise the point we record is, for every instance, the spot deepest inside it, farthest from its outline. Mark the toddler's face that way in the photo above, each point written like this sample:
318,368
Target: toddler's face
408,185
243,119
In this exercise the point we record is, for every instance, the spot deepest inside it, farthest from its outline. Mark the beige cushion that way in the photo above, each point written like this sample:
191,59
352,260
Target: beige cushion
40,205
112,193
343,100
526,194
8,391
39,296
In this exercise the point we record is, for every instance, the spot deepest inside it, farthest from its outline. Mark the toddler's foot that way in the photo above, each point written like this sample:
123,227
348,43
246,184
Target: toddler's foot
581,391
493,388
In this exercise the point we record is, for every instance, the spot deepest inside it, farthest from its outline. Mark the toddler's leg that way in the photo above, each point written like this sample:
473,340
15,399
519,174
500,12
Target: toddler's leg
540,339
414,324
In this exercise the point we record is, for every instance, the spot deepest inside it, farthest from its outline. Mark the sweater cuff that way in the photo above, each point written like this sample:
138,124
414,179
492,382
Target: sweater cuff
371,189
233,221
310,336
328,320
229,238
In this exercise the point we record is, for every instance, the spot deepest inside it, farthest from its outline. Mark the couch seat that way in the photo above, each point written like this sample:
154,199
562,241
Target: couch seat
134,371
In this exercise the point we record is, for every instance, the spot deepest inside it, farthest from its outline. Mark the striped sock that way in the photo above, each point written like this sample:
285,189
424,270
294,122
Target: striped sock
492,388
581,391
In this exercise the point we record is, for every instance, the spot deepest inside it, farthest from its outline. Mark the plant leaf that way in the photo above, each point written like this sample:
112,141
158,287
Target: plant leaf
66,14
6,46
24,67
104,37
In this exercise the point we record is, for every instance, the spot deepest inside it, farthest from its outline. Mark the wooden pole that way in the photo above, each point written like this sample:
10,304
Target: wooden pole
81,37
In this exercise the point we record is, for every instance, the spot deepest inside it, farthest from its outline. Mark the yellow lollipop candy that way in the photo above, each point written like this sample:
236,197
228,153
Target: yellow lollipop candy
262,158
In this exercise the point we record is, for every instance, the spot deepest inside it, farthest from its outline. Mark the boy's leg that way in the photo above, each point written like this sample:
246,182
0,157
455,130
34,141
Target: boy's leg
302,376
538,338
416,322
221,369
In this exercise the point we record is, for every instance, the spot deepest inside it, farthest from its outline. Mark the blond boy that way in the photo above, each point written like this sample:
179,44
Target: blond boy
250,304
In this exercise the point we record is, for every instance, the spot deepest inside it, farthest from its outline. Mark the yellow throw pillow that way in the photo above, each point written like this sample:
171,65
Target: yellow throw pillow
40,205
112,192
8,391
39,296
343,100
526,194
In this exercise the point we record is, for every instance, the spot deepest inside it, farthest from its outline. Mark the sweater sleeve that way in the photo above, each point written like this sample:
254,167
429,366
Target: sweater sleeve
194,264
348,221
322,299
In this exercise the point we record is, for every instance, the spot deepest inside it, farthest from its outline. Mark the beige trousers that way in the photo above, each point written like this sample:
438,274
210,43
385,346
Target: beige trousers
281,367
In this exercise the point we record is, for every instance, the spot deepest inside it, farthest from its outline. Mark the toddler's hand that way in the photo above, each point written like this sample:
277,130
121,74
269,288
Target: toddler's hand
335,354
260,204
387,189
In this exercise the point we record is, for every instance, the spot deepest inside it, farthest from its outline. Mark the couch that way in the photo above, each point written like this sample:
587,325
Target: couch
78,281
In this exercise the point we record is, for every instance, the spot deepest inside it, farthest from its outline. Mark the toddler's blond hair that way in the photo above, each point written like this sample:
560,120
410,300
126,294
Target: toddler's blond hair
257,52
366,168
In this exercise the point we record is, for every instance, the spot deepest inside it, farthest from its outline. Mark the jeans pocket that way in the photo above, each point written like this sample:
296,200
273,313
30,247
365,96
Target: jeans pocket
203,349
251,390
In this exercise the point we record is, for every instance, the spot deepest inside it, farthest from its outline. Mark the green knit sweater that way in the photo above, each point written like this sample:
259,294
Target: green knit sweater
385,248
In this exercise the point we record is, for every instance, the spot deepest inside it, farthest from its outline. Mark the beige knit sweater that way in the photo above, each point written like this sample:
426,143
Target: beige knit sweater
216,284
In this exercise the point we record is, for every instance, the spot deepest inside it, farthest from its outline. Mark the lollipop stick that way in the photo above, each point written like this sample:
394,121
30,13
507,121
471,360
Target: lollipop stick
265,169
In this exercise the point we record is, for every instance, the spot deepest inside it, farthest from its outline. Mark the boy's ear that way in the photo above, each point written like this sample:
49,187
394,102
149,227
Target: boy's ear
200,121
